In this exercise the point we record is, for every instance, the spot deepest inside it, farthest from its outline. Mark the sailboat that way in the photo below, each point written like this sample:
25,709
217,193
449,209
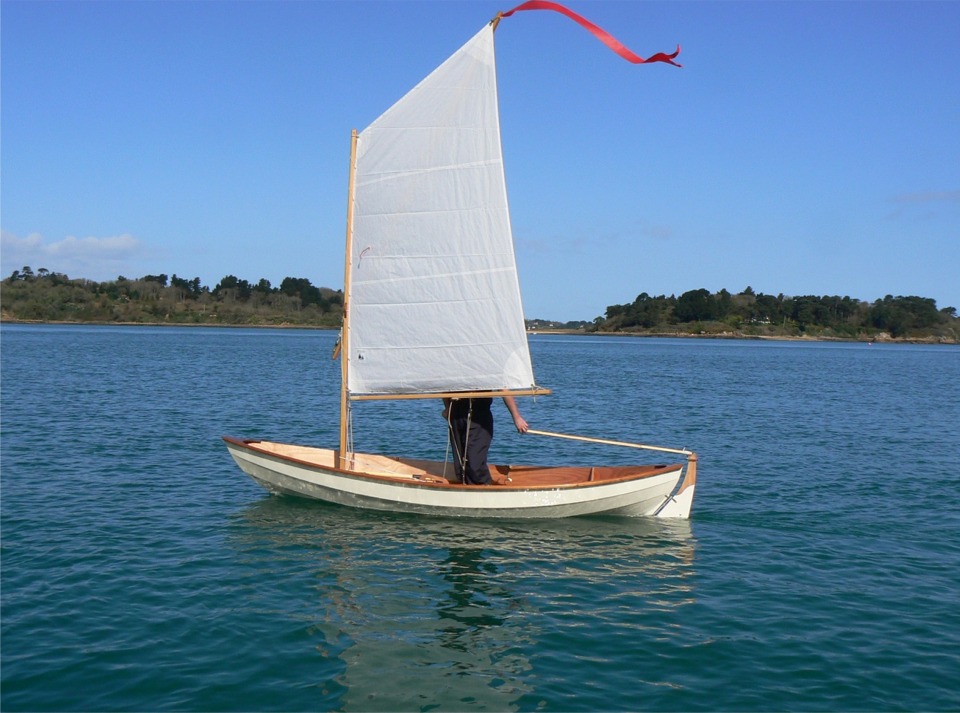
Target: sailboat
432,309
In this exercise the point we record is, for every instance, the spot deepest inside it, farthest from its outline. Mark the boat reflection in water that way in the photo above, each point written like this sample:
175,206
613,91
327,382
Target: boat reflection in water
412,613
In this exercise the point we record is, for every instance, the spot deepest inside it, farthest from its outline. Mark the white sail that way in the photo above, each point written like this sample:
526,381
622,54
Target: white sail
434,295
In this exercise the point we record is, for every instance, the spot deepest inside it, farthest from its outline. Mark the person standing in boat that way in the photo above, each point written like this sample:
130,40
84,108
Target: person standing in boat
471,432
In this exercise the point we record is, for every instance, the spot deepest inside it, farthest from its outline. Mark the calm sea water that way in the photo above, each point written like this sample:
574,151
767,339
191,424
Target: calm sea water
141,570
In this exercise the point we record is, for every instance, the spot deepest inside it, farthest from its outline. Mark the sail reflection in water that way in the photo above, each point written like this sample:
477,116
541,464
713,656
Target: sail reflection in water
457,613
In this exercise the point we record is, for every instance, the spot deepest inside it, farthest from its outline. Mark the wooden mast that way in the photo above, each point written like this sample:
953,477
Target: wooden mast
345,329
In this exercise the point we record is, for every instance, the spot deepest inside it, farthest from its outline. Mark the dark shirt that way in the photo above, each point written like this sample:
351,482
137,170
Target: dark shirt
459,408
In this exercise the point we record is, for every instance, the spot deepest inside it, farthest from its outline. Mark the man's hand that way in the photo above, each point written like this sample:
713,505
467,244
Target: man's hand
521,423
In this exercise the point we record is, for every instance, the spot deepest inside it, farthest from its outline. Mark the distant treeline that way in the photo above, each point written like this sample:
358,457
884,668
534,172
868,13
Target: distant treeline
53,297
757,314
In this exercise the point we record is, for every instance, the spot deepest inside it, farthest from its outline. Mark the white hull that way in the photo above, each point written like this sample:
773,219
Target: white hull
381,483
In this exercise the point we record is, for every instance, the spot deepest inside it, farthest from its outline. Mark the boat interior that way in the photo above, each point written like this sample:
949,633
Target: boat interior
440,473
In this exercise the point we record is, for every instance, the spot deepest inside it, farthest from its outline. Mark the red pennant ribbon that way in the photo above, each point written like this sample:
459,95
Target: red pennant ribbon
601,34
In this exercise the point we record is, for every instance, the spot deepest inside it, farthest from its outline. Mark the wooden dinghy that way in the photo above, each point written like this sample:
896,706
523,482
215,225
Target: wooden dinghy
432,309
429,487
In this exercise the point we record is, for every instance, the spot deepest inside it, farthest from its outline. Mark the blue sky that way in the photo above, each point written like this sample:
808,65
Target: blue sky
804,147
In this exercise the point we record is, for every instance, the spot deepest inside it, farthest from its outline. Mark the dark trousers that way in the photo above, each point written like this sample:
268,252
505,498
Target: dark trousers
472,445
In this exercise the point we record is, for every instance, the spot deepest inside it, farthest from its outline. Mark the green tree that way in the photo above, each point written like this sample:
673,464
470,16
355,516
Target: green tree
696,306
898,315
301,287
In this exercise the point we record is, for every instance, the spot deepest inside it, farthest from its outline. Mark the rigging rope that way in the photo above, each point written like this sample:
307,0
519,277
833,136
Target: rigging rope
456,445
446,456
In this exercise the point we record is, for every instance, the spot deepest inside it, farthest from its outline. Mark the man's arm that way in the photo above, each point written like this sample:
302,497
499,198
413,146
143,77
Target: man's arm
518,420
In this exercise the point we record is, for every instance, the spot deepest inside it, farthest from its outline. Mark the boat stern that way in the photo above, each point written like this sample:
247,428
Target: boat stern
680,503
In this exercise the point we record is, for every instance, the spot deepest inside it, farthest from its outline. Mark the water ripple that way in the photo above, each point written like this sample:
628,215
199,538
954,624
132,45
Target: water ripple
142,571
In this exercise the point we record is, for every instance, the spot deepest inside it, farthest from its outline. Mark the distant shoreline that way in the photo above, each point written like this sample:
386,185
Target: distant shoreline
159,300
765,338
879,339
217,325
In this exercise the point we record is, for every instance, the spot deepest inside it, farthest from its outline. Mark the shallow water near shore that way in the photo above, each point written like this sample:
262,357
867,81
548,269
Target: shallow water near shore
141,570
